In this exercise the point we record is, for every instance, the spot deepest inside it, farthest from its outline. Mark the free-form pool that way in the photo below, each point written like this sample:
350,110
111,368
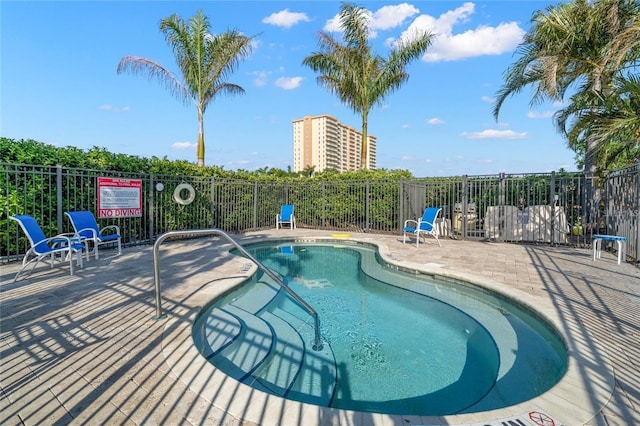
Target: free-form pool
395,342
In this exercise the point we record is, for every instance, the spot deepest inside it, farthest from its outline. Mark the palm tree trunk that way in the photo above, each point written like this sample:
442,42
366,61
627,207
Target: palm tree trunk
364,144
200,146
591,167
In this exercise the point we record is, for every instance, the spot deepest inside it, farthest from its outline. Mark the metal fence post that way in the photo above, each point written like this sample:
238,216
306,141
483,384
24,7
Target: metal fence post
212,201
59,205
255,205
465,199
367,205
636,254
552,194
324,198
400,204
151,207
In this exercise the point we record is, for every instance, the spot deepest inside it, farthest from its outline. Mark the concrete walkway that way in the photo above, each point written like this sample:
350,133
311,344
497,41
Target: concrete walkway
86,349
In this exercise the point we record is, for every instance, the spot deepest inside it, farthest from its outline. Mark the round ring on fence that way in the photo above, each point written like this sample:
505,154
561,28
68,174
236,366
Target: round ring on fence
177,194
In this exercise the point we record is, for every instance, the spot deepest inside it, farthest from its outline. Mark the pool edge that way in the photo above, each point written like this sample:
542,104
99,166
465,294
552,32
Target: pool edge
571,401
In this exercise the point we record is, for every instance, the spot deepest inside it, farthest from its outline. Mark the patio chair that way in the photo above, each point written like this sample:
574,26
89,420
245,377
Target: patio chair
85,225
425,226
41,246
286,216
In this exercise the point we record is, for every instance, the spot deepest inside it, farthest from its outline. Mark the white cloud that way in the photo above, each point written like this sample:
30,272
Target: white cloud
495,134
288,83
183,145
255,44
388,17
385,18
286,19
435,120
114,109
488,99
260,77
239,162
333,25
535,114
447,46
479,42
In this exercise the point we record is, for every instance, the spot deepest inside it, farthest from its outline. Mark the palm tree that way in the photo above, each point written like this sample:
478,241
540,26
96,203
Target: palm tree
352,71
612,123
584,45
205,61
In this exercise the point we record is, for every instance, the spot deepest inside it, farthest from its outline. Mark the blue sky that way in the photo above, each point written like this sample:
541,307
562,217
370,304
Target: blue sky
59,84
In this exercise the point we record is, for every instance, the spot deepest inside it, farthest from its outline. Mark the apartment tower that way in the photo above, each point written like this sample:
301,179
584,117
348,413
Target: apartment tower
323,142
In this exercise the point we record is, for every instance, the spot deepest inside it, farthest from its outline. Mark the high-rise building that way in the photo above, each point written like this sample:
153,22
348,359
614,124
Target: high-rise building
323,142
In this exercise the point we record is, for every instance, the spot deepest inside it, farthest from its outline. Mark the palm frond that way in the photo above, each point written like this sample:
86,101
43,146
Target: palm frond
137,65
581,46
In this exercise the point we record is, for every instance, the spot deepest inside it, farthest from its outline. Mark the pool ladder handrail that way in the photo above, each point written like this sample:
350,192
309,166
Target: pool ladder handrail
317,346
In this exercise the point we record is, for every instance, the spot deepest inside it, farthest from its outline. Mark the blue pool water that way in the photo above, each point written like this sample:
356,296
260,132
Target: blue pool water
395,342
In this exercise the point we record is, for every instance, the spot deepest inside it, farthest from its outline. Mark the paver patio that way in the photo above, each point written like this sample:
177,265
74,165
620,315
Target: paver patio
85,349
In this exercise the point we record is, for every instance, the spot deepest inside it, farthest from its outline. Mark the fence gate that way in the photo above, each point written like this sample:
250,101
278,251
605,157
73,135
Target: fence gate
623,206
412,200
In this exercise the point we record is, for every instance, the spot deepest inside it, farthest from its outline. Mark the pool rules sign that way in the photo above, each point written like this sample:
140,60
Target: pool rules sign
119,197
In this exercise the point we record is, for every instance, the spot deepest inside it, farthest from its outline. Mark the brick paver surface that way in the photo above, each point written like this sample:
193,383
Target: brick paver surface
85,349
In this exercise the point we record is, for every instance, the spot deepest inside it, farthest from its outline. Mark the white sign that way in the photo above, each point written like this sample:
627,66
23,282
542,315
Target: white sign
119,197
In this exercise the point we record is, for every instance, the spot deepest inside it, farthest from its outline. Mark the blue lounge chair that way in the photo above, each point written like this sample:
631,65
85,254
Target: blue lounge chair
85,225
286,216
41,246
425,226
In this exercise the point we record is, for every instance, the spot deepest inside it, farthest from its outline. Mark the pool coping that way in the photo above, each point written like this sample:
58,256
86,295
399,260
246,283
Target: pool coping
574,400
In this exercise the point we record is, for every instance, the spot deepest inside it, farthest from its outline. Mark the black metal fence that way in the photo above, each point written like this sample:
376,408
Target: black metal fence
550,208
622,207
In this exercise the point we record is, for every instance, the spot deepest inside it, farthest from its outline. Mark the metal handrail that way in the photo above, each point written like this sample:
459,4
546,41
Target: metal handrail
156,268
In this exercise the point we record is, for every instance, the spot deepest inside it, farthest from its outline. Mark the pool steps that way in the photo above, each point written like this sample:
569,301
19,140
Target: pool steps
219,331
253,345
281,370
316,381
254,341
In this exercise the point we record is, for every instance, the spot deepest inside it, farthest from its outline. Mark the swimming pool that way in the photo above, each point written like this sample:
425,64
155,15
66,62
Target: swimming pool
396,342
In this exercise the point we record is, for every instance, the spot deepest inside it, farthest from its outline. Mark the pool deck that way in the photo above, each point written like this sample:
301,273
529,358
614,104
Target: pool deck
86,349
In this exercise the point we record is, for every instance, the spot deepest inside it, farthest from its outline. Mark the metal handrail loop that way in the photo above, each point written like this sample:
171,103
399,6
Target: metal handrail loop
213,231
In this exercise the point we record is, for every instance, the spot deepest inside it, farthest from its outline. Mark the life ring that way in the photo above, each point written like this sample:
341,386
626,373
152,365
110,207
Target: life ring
178,197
